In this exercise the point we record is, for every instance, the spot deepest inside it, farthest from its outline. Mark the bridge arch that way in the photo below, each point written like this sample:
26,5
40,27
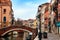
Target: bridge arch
15,29
5,31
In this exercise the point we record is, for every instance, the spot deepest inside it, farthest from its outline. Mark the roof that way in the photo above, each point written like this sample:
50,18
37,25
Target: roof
5,2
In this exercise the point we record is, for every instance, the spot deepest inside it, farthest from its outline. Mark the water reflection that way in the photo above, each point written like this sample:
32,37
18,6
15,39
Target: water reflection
8,38
15,36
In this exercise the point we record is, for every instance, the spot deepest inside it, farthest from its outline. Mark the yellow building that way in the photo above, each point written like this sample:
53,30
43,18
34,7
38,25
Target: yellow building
5,13
35,23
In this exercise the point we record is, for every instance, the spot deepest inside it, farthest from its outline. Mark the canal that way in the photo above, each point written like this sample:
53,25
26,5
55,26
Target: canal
17,36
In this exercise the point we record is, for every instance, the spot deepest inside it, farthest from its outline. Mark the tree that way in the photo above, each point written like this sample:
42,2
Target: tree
19,22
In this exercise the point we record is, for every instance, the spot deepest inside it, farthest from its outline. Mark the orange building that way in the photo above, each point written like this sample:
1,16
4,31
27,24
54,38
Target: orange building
5,13
47,16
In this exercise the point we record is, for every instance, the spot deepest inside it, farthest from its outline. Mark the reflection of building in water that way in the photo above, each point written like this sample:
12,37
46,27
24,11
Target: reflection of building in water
21,35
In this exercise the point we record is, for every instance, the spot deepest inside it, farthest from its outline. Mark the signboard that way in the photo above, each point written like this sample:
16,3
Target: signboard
58,24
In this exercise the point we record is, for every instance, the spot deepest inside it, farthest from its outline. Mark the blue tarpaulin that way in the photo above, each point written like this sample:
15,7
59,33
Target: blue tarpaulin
58,24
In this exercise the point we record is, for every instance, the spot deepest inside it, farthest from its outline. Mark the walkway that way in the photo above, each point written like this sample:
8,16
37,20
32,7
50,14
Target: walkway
51,36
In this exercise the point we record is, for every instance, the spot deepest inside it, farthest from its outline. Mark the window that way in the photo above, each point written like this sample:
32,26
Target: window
4,19
4,25
4,11
46,18
59,14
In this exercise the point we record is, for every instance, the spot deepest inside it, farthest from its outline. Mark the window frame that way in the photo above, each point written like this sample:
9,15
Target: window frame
4,19
4,11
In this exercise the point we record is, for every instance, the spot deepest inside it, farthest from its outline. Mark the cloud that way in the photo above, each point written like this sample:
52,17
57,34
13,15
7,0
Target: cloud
26,10
49,1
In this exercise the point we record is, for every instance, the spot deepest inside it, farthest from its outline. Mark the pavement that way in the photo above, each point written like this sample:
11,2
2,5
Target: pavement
51,36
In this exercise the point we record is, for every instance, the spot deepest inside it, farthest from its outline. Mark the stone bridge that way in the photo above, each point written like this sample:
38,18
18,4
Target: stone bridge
17,28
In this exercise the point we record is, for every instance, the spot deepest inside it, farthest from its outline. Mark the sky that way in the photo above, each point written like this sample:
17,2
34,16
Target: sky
26,9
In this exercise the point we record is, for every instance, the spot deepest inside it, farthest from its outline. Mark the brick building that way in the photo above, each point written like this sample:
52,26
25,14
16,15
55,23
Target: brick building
6,15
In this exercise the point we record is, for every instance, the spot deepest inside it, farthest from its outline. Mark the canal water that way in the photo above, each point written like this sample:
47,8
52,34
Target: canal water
14,37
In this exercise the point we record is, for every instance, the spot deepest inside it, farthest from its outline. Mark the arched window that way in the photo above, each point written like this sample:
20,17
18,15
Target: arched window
4,19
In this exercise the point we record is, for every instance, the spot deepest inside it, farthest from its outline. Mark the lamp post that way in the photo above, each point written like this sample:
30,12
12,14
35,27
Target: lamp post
39,32
41,21
39,26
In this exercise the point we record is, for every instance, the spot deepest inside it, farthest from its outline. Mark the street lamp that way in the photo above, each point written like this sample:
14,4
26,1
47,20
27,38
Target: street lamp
39,27
39,22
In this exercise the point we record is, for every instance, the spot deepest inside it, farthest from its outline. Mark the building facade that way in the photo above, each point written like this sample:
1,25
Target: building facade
49,17
45,17
32,23
56,8
6,15
41,16
35,23
26,23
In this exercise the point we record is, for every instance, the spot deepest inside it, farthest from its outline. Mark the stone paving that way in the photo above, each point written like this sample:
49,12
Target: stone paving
51,36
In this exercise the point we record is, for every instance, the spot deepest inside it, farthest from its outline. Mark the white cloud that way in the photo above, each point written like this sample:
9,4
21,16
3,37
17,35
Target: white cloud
23,12
49,1
29,10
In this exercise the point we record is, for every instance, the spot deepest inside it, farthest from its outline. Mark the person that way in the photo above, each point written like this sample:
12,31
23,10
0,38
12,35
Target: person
28,38
40,35
49,25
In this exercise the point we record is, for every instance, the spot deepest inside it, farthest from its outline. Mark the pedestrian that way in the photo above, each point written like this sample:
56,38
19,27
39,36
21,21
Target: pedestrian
40,35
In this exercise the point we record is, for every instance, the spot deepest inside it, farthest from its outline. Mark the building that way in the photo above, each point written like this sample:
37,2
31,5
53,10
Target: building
45,16
56,8
18,22
48,16
26,23
41,16
6,15
32,23
35,23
